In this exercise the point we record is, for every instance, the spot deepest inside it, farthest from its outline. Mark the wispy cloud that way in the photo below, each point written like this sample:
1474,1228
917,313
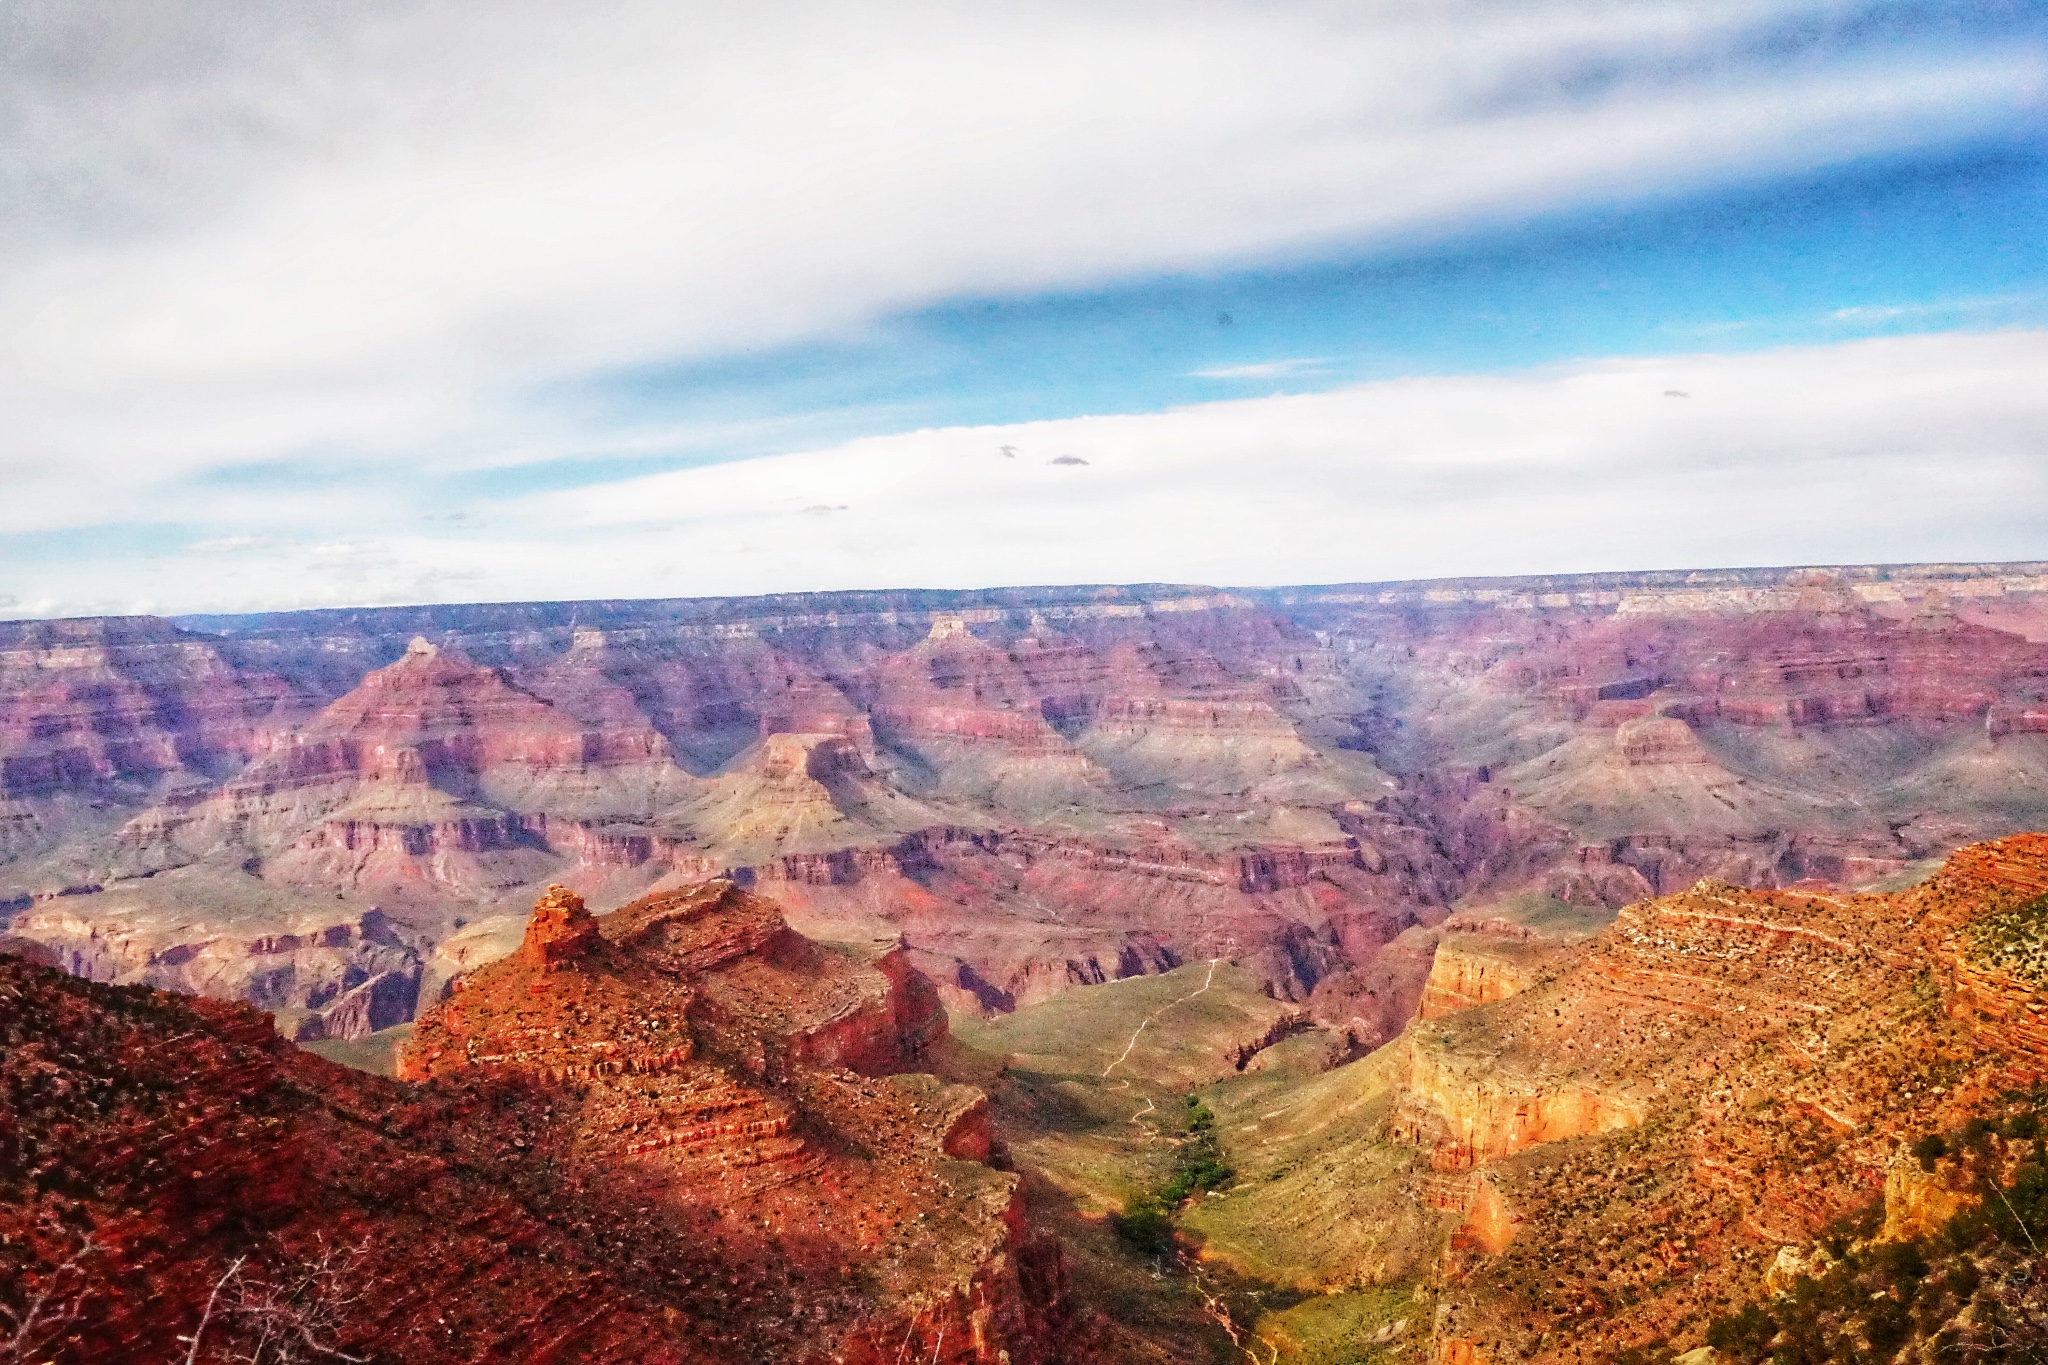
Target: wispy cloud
242,233
1266,369
1900,449
230,545
1986,310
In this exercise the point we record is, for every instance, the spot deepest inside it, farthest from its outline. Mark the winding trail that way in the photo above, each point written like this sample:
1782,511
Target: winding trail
1147,1021
1219,1312
1212,1304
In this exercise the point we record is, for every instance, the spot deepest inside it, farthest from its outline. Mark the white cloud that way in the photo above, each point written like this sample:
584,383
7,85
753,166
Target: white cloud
1915,448
1265,369
241,233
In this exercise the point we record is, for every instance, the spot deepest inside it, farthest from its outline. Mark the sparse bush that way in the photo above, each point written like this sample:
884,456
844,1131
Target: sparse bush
2015,941
1974,1293
1144,1223
1929,1150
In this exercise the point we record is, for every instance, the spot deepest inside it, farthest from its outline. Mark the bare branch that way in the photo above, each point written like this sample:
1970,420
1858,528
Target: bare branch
199,1332
51,1308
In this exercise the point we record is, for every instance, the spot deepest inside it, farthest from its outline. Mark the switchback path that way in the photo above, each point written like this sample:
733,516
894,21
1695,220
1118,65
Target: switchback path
1147,1021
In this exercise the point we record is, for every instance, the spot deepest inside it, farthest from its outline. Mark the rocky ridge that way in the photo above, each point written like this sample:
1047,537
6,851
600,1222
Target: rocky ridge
639,1137
1131,755
1627,1142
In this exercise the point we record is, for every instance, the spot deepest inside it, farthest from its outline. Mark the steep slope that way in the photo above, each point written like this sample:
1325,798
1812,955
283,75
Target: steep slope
797,793
98,717
1003,919
1619,1148
1654,776
971,718
705,1181
417,775
713,1056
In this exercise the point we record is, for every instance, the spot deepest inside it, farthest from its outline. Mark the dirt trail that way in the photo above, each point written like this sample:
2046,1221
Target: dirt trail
1147,1021
1212,1304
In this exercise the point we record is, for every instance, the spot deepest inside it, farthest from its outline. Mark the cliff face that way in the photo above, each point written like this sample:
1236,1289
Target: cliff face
88,705
1464,973
1718,1075
635,1139
416,777
1038,788
726,1069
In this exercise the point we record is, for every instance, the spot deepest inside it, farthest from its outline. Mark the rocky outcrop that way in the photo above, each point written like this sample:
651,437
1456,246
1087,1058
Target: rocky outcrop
728,1068
624,1203
1469,1116
999,919
304,962
413,782
1464,973
1719,1074
1917,1202
800,793
386,999
87,705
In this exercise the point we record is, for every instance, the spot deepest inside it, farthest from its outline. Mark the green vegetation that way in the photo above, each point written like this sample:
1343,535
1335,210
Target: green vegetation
1147,1220
2015,941
1094,1104
1973,1293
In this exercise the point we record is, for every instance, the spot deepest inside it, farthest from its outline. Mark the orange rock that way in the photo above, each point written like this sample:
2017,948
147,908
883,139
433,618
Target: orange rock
561,930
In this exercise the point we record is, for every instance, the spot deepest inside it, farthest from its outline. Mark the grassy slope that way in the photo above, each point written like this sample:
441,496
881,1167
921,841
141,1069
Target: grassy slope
1316,1194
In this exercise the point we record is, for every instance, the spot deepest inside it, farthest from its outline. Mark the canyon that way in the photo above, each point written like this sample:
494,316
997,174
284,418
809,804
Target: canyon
830,977
334,814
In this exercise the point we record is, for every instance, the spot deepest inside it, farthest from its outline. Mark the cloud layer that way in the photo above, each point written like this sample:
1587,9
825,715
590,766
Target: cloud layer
1921,448
393,237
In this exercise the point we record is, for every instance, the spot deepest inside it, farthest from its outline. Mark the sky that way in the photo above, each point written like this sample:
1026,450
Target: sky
411,302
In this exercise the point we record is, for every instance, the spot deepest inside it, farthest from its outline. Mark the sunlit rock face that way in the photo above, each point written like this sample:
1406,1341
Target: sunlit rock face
1036,789
1662,1109
678,1132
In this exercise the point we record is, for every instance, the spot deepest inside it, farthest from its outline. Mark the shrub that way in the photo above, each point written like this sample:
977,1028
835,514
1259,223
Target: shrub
1929,1150
1745,1334
1145,1225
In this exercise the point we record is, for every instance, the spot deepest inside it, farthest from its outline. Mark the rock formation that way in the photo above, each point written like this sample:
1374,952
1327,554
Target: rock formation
1039,788
679,1132
1721,1073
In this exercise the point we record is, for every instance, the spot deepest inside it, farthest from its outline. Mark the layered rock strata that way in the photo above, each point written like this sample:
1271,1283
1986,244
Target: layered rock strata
636,1139
737,1076
1597,739
1718,1075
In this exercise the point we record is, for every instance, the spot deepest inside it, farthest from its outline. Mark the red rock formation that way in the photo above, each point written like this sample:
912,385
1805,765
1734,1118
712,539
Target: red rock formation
330,971
637,1144
1602,739
560,932
1464,973
88,703
709,1046
415,777
1003,919
1717,1075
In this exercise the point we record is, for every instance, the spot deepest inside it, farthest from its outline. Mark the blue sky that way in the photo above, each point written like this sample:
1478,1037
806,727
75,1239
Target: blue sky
1882,246
405,306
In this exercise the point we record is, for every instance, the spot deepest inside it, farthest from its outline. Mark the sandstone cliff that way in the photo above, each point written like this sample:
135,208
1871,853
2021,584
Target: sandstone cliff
1600,739
636,1139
